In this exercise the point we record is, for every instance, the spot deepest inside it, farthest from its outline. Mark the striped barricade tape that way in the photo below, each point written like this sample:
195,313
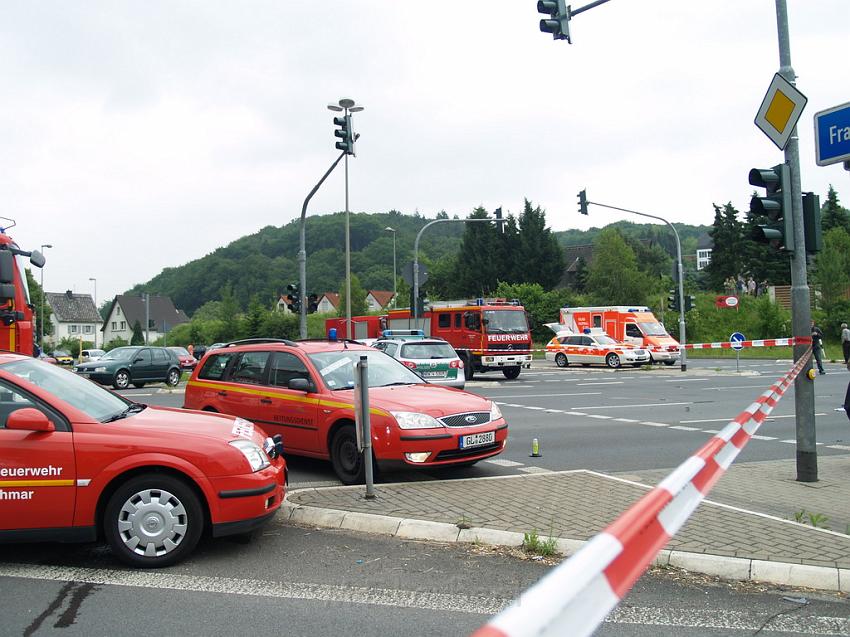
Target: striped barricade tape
768,342
575,597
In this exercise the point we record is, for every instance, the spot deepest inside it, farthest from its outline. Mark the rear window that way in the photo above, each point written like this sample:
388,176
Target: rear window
427,350
214,368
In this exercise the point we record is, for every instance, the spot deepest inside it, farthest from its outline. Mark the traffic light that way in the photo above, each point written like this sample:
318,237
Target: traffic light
582,201
312,303
293,298
673,301
345,133
499,223
558,23
775,205
690,302
811,223
420,303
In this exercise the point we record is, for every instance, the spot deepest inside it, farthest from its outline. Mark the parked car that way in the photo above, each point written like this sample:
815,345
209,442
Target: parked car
92,355
433,359
62,357
594,348
305,391
47,359
136,365
187,361
81,463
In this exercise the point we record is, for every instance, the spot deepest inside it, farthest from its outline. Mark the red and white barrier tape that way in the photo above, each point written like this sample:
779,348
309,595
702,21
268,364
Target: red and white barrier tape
769,342
575,597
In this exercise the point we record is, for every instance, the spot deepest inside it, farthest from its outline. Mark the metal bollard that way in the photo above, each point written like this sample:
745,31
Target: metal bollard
535,448
363,424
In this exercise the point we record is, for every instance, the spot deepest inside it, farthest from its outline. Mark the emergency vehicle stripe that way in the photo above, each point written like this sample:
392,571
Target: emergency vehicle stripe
575,598
36,483
240,389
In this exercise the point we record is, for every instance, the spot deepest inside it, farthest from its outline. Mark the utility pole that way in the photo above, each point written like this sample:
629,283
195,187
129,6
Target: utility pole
804,390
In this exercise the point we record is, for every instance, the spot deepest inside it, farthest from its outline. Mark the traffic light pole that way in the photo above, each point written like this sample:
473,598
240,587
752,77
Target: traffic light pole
302,251
682,336
804,390
415,308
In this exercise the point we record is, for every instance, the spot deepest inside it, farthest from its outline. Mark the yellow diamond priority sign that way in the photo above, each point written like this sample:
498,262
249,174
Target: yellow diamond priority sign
780,110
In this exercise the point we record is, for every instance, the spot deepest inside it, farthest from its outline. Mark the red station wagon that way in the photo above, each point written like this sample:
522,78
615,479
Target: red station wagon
304,390
78,462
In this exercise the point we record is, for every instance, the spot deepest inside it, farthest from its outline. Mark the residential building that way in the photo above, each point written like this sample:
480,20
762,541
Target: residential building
704,248
378,300
126,309
73,316
328,303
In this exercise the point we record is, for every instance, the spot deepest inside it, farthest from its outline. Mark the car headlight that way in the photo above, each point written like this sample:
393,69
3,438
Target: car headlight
253,454
414,420
99,369
495,412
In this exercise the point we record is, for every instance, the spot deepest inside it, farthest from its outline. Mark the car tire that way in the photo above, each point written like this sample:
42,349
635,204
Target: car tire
561,360
173,377
121,379
346,459
669,363
612,361
138,385
170,511
636,364
511,372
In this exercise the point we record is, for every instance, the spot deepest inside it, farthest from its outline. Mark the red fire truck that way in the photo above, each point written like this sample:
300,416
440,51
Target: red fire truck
16,310
488,334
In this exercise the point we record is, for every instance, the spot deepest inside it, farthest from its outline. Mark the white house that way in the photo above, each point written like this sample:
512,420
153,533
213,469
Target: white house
377,300
73,316
126,309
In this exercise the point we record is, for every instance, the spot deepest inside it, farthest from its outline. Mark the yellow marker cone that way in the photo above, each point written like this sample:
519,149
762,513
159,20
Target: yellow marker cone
535,448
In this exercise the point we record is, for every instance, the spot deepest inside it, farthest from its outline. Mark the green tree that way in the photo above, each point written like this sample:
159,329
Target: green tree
726,255
614,278
761,260
358,298
138,337
832,274
479,263
542,306
254,317
229,314
833,215
38,301
539,259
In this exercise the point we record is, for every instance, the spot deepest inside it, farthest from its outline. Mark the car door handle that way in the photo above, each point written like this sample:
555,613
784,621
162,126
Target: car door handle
266,401
222,393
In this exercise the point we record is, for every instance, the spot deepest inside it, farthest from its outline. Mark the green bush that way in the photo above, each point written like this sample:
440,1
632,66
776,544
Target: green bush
756,318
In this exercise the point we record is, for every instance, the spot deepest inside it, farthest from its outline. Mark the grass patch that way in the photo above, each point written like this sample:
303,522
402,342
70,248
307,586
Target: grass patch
531,543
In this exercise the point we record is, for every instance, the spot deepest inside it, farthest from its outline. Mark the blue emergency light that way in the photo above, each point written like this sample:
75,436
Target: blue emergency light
332,334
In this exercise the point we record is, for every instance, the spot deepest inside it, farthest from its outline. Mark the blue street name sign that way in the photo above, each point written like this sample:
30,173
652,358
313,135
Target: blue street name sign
832,135
737,339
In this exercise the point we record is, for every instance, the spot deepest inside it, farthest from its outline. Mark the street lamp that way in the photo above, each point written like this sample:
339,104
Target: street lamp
95,307
348,106
395,292
41,316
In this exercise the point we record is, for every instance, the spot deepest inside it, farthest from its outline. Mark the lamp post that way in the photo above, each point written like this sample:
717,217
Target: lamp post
395,292
91,278
41,316
348,106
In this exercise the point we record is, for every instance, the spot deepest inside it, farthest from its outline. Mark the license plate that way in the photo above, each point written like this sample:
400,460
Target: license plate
476,440
433,374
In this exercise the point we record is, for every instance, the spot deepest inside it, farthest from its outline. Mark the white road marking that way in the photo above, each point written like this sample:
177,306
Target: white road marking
711,431
625,420
841,447
755,437
685,422
639,405
504,463
610,382
686,380
654,424
684,428
789,442
600,416
259,588
735,387
587,393
534,470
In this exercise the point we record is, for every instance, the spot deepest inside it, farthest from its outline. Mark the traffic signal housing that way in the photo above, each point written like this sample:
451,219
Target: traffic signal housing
312,303
775,205
582,201
690,302
345,134
811,223
499,223
558,22
293,299
673,300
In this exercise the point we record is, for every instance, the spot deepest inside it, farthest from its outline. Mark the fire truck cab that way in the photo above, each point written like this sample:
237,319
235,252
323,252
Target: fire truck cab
16,311
636,325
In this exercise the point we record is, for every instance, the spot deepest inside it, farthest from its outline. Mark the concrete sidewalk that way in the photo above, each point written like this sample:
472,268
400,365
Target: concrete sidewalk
745,531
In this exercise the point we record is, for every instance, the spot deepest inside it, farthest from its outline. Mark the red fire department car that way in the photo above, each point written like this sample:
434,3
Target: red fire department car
78,462
304,390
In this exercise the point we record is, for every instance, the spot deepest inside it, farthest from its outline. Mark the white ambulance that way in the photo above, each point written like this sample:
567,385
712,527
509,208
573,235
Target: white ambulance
630,324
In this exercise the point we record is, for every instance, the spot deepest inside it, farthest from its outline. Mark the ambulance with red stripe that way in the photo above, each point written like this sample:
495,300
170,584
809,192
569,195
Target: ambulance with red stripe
635,325
16,311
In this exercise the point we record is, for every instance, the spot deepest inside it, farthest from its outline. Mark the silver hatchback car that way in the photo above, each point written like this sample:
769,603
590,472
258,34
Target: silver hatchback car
433,359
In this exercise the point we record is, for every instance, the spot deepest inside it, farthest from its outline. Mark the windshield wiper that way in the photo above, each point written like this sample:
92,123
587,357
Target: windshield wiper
398,382
134,408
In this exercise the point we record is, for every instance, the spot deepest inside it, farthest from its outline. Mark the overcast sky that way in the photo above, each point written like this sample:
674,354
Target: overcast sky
141,135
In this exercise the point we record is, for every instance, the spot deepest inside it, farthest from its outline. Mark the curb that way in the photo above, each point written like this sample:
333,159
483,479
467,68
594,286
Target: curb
730,568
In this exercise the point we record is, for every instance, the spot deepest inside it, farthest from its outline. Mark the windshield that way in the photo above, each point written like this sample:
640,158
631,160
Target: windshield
605,340
653,328
505,322
119,354
24,283
83,394
180,351
427,350
337,369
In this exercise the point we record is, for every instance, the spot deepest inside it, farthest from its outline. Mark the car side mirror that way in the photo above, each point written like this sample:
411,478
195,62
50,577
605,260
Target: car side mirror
138,360
29,419
37,259
300,384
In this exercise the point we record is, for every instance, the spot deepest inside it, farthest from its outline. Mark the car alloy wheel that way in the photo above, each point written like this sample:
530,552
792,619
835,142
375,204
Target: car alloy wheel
122,379
561,360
